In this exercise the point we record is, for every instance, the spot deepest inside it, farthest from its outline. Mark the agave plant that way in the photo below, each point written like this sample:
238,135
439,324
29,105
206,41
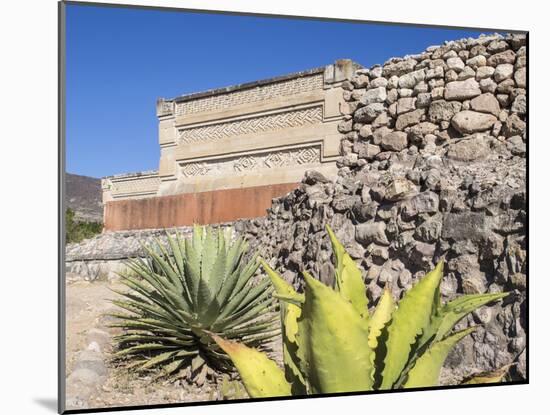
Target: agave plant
333,343
179,292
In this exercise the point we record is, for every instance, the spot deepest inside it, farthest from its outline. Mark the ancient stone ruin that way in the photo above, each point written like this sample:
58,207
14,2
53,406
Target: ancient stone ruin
225,153
429,163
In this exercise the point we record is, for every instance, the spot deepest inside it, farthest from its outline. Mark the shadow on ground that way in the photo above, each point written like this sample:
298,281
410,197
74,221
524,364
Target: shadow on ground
48,403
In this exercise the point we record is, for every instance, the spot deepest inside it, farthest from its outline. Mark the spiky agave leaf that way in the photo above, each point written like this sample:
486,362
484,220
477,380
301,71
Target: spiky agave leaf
180,292
331,345
408,322
349,281
290,312
493,376
426,369
261,376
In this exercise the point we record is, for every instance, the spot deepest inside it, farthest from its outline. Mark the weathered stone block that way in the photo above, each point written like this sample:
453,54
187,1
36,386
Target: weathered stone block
405,105
502,57
520,76
369,113
443,110
468,122
475,147
409,118
513,126
435,73
399,68
464,226
425,202
461,90
400,188
430,230
455,64
370,232
373,96
486,103
410,79
477,61
520,105
368,151
503,71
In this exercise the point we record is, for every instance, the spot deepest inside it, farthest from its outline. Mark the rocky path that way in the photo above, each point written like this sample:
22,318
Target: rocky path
92,379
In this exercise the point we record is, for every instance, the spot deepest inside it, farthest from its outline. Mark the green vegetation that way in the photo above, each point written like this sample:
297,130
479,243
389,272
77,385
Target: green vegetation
181,292
332,342
76,231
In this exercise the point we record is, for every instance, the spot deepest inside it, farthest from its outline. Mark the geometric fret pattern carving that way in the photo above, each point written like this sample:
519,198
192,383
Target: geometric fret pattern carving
135,185
253,162
246,163
306,155
256,94
259,124
195,169
165,108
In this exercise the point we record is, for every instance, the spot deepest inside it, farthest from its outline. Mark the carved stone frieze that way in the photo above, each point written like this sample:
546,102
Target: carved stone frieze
278,121
250,95
253,162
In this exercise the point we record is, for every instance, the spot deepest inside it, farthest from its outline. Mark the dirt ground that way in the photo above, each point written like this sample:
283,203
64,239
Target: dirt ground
93,381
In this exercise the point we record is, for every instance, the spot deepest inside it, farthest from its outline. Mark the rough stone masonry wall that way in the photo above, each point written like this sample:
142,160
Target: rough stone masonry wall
102,257
433,167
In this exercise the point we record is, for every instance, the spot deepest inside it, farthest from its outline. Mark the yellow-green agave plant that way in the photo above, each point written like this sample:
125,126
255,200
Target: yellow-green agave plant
332,342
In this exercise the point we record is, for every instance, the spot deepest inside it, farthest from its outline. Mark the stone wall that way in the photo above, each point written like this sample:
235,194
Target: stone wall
130,186
433,167
262,133
103,256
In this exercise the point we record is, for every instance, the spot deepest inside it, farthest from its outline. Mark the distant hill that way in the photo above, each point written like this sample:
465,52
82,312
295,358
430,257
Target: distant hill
83,195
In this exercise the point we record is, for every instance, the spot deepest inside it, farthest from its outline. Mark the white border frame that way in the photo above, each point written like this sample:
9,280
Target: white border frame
29,340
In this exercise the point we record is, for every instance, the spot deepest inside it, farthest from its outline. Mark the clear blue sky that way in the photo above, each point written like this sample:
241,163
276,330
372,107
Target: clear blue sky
120,60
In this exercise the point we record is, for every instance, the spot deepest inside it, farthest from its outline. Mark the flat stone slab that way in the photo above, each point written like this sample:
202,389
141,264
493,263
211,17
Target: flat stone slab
461,90
468,122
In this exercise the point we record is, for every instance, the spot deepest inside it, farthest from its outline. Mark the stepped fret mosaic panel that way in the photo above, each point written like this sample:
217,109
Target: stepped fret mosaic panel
259,93
141,185
165,108
264,123
240,164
